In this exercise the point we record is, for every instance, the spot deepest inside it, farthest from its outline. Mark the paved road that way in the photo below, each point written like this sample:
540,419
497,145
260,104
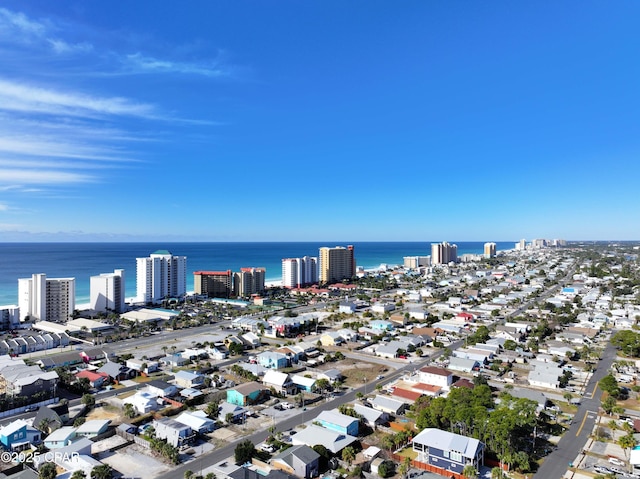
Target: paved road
575,439
218,455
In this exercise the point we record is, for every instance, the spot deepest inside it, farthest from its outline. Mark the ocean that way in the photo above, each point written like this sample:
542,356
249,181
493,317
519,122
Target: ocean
83,260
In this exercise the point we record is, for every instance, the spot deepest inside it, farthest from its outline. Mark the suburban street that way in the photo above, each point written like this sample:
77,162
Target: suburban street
574,440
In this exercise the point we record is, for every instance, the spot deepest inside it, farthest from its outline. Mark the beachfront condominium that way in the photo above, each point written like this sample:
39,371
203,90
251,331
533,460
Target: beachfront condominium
489,250
213,284
444,253
9,317
248,281
159,276
107,292
46,299
336,264
299,272
521,245
415,262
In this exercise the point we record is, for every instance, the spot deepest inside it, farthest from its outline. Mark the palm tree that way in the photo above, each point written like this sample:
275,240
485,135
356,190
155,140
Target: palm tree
496,473
78,474
627,442
348,454
614,427
102,471
47,471
470,472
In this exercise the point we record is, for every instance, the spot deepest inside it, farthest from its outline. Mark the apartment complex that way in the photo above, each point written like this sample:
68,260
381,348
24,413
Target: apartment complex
444,253
161,276
107,292
489,250
9,317
415,262
213,284
46,299
248,281
336,264
299,272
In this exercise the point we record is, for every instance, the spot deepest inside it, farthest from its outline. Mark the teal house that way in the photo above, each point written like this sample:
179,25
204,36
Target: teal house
247,394
14,435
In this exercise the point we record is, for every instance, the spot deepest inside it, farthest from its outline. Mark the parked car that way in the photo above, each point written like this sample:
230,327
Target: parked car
270,448
615,461
287,405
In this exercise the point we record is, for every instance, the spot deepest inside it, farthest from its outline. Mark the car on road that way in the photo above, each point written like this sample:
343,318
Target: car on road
31,409
379,376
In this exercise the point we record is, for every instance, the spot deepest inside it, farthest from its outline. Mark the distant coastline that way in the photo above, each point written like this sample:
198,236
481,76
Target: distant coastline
85,259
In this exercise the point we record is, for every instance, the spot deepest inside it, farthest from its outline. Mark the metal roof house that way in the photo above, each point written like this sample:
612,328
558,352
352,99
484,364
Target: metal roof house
448,451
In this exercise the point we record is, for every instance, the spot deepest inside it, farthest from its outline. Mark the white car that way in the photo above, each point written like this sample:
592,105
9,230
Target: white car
615,461
286,405
270,448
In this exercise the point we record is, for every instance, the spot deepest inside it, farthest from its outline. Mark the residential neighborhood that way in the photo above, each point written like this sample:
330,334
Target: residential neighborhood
476,368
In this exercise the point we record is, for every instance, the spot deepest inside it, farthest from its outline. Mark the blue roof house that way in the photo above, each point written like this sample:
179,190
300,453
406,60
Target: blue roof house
336,421
273,360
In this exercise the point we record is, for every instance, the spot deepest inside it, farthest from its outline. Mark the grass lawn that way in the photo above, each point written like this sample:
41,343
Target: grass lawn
408,452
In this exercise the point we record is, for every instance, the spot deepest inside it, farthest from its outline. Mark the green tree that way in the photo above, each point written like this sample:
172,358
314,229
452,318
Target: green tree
47,471
609,404
610,385
89,401
386,469
244,452
188,474
470,472
129,410
403,470
78,474
627,442
348,454
228,418
103,471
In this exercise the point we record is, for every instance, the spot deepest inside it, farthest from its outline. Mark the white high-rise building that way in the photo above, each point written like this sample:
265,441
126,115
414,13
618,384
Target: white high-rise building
298,272
521,245
160,276
46,299
444,253
107,292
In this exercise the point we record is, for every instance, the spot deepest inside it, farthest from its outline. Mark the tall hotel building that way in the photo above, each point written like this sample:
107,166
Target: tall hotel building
298,272
489,250
43,299
336,264
248,281
107,292
444,253
161,276
213,284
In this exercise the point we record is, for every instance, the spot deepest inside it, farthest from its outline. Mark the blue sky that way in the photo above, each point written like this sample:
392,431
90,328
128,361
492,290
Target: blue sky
317,120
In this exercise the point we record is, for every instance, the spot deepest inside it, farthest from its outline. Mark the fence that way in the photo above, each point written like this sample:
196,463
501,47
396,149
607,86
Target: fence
22,409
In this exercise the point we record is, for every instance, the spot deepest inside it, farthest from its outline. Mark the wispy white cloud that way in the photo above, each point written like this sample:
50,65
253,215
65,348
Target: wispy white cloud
20,97
139,63
42,177
62,47
4,207
19,26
